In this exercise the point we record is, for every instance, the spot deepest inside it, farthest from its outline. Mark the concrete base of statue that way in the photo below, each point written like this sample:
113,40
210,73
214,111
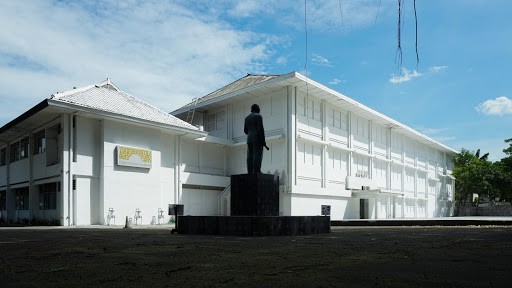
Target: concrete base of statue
254,212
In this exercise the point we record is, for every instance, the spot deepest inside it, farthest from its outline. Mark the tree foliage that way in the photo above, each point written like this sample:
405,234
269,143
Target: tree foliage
475,174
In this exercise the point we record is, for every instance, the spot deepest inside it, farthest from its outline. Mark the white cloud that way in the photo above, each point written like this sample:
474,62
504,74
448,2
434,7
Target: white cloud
405,76
321,15
328,15
281,60
159,51
246,8
499,106
320,60
336,81
437,68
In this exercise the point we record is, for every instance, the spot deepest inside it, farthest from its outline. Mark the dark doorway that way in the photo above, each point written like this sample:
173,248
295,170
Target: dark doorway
363,209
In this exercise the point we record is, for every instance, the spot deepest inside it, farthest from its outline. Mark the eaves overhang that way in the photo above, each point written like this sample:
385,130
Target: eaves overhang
32,111
323,92
222,98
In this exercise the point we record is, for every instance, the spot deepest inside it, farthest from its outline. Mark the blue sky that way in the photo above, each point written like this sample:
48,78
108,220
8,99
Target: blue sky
167,52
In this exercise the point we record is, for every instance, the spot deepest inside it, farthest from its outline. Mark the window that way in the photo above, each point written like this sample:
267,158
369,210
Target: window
338,119
310,107
19,150
48,196
3,157
39,142
3,200
215,121
360,167
360,127
52,145
22,199
15,152
24,148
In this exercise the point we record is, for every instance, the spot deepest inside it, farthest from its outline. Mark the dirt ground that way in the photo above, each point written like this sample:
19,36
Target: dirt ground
347,257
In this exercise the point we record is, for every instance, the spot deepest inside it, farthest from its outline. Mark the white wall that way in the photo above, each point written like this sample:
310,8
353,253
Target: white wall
310,205
88,147
127,188
200,202
202,157
19,171
273,111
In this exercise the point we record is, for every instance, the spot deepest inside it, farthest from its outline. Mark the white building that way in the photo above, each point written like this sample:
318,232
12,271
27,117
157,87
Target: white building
329,150
80,153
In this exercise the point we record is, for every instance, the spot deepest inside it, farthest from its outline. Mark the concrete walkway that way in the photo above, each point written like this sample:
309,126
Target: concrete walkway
443,221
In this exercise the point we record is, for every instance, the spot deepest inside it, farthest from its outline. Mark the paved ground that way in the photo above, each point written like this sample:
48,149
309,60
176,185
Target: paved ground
470,256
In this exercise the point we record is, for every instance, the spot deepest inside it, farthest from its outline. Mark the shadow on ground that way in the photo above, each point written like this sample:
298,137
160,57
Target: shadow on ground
473,256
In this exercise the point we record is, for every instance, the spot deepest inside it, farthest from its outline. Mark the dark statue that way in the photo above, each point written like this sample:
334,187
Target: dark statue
253,127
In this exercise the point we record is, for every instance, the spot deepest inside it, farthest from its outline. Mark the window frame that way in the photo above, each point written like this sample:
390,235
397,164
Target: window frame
14,152
24,148
48,195
22,198
39,140
3,156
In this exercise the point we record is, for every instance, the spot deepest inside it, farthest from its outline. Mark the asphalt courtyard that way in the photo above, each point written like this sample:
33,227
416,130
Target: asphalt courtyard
150,256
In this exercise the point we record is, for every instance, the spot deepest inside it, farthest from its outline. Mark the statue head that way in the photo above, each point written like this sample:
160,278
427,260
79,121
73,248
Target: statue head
255,108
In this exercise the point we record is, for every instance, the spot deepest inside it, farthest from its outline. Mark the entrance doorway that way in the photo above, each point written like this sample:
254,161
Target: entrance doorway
363,209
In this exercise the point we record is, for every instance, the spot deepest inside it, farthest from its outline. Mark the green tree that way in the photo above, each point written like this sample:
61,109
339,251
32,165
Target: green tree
473,175
503,175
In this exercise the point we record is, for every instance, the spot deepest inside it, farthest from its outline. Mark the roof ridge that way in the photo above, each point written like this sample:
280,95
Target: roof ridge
104,91
107,82
232,83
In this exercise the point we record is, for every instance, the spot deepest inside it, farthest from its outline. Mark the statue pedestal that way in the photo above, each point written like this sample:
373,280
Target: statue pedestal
254,212
254,195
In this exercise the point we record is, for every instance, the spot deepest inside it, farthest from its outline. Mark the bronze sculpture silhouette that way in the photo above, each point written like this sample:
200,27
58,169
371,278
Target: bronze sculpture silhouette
253,127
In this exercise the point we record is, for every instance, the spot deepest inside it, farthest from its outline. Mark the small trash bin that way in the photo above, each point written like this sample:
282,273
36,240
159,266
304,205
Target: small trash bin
176,210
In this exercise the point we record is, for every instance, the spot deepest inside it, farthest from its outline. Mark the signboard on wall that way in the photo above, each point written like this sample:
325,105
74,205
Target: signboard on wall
133,157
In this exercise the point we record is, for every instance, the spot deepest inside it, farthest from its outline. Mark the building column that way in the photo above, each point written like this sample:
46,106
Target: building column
177,169
350,140
32,191
325,130
370,149
291,126
67,173
102,173
10,198
388,156
376,207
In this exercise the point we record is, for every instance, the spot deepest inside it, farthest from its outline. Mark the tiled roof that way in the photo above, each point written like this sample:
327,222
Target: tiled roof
239,84
107,97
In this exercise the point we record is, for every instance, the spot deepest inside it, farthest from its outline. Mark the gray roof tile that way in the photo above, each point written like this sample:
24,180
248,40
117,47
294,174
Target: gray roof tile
107,97
239,84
